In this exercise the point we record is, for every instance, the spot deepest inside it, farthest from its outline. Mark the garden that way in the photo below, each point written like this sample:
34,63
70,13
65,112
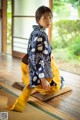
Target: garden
66,34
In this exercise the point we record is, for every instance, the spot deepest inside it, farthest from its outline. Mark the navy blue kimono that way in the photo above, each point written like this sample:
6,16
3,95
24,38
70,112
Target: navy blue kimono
39,52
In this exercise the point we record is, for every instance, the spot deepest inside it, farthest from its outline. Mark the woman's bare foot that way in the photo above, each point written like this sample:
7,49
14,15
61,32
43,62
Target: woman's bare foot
16,107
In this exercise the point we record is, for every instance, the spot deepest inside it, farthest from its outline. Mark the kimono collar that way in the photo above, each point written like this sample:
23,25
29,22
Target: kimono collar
39,27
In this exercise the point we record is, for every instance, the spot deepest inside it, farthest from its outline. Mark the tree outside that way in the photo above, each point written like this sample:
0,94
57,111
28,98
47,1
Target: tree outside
66,34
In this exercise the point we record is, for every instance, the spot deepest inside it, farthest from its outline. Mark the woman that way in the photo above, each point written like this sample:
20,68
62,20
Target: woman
41,73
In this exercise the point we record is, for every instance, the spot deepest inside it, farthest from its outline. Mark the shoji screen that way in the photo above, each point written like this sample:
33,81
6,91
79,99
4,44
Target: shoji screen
23,19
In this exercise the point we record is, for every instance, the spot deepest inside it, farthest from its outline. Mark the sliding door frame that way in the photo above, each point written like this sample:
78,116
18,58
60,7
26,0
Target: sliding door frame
19,54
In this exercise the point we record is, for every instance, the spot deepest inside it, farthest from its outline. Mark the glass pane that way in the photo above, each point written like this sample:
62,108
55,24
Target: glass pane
28,7
20,45
23,26
66,35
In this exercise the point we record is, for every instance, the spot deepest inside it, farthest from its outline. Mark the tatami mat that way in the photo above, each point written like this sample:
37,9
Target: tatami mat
43,107
3,100
29,113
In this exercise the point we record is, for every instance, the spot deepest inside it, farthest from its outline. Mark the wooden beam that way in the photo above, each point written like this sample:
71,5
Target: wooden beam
50,28
18,54
4,25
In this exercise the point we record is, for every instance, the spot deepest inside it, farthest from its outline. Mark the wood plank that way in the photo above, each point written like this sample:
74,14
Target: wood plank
10,68
4,25
47,97
70,75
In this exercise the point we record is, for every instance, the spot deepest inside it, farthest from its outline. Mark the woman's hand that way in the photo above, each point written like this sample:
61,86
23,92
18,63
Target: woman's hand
45,84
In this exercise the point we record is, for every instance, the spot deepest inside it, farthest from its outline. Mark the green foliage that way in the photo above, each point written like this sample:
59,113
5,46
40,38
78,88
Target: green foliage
79,11
62,7
9,21
75,47
66,33
74,2
62,54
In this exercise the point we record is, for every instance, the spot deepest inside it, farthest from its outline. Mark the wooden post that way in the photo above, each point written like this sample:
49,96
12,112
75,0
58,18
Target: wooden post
4,25
50,28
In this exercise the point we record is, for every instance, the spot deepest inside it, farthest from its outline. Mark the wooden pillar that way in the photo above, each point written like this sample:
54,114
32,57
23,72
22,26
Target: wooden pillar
4,25
50,28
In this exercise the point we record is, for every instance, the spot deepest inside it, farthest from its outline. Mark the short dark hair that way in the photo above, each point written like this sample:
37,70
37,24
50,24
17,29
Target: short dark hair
41,11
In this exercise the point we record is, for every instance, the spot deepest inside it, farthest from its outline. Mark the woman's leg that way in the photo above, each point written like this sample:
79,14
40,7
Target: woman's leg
21,100
25,73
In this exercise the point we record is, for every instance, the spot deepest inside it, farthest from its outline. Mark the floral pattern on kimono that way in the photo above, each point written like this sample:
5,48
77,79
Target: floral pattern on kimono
39,52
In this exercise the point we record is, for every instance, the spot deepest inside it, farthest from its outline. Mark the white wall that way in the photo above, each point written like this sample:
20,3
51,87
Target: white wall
23,25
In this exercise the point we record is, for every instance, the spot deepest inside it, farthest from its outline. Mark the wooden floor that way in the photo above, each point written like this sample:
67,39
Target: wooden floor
68,103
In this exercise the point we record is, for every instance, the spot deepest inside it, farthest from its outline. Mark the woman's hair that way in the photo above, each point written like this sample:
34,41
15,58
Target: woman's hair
41,11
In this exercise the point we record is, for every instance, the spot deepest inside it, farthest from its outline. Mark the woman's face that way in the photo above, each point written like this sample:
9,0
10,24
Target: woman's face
45,20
